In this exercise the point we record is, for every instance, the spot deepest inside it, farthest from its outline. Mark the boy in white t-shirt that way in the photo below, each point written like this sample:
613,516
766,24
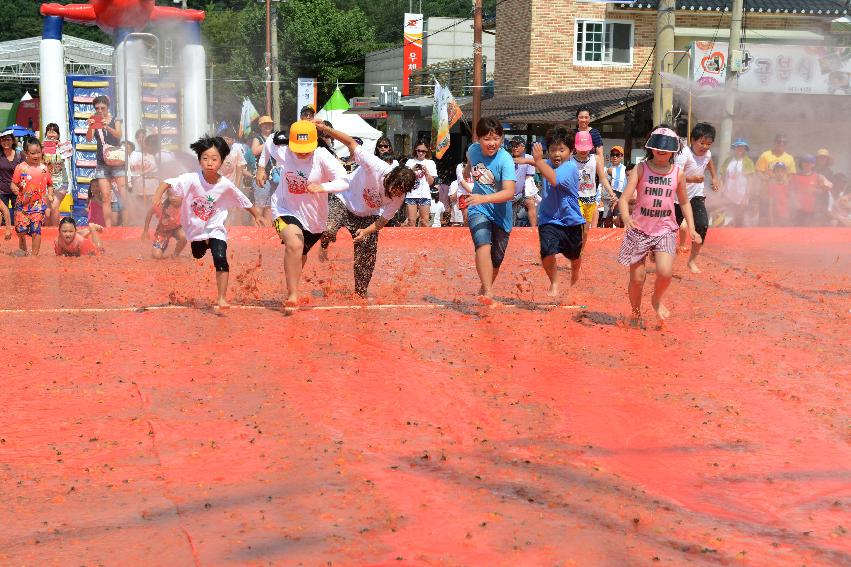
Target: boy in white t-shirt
376,191
695,160
300,202
207,196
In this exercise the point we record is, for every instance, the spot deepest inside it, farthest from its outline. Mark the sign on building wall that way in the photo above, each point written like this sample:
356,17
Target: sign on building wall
768,68
306,94
412,53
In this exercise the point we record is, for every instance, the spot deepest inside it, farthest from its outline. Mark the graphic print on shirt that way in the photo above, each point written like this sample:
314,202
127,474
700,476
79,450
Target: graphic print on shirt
372,196
203,206
657,186
483,175
296,182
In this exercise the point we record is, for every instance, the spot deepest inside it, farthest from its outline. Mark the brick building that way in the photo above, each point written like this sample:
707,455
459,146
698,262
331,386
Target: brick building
546,47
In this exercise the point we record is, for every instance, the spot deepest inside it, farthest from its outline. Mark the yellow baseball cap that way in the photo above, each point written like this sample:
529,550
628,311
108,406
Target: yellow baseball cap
265,120
303,137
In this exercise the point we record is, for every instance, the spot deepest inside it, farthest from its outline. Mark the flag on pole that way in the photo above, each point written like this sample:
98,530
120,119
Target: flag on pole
248,115
444,115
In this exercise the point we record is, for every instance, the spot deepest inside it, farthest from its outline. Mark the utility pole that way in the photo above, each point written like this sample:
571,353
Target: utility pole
269,58
477,63
734,67
663,99
276,88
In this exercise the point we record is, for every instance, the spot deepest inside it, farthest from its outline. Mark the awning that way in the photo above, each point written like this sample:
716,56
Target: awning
554,108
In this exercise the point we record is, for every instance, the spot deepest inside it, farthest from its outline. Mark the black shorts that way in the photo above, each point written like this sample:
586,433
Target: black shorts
558,239
310,238
698,211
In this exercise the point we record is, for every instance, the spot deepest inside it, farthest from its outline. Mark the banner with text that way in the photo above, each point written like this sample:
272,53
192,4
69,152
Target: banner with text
768,68
306,95
412,52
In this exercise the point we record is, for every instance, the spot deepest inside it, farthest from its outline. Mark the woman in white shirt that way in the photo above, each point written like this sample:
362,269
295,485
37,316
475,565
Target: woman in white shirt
376,191
418,201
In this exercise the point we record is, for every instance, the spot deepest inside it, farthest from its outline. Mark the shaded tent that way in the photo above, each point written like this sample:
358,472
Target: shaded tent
334,111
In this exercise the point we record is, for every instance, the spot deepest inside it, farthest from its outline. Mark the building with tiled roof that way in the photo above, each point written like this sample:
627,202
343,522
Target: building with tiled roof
547,47
810,7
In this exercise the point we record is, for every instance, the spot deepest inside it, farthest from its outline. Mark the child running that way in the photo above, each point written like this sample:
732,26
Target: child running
33,185
206,197
560,218
376,191
167,208
652,226
490,212
694,161
300,202
70,242
590,170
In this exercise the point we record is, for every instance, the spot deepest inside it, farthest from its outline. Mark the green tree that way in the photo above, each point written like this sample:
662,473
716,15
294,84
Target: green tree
315,39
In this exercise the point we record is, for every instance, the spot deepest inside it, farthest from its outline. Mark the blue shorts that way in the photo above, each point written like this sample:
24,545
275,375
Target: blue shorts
486,232
418,201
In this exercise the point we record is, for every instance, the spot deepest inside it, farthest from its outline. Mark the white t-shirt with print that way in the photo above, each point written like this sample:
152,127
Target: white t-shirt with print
205,205
234,162
365,196
693,165
291,198
422,190
587,176
437,209
459,174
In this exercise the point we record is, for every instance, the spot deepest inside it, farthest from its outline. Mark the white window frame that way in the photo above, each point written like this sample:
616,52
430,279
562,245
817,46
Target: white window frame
576,60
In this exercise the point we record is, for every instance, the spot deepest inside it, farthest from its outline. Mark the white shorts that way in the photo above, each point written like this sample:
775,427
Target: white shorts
530,189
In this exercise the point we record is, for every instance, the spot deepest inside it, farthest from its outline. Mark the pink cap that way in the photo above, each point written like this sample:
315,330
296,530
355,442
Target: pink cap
584,143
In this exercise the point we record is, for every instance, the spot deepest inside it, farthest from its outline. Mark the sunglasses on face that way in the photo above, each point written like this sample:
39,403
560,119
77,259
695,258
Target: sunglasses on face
616,155
421,151
383,145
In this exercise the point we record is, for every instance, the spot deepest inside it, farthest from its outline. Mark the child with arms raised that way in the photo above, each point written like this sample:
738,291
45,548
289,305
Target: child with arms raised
652,227
489,206
206,197
560,220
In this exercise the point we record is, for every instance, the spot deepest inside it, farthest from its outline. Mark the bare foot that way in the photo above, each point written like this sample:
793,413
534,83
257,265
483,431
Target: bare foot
552,291
693,267
323,254
661,311
291,302
485,299
635,319
574,277
222,303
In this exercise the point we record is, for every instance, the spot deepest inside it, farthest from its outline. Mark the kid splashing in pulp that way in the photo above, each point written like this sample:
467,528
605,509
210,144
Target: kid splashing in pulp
652,227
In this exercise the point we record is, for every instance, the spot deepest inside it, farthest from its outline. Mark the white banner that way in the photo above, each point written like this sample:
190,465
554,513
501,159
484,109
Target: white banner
306,95
769,68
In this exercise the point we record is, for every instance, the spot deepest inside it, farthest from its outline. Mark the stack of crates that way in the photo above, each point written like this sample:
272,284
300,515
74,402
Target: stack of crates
160,109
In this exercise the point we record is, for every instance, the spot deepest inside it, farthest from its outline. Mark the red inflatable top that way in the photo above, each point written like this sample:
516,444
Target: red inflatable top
112,14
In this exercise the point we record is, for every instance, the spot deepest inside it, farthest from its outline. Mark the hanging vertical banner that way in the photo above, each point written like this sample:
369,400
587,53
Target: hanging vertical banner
306,95
412,52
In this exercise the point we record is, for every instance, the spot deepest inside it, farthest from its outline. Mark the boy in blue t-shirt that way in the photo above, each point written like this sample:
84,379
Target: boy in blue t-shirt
490,212
560,219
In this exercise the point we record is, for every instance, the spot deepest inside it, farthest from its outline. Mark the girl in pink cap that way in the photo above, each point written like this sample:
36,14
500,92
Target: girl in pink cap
652,227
